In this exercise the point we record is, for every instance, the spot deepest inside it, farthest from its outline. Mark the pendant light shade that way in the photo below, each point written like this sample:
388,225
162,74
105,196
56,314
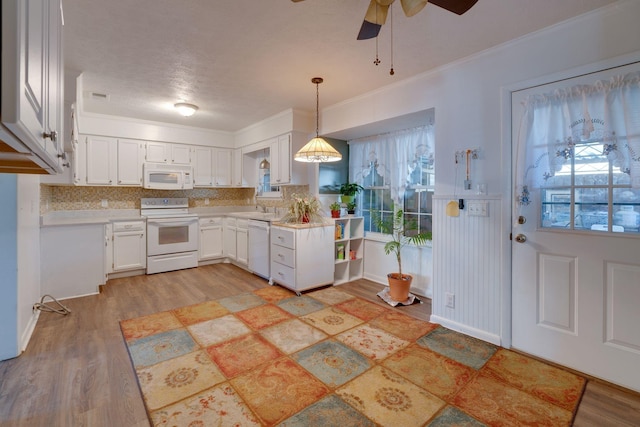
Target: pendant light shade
317,150
264,164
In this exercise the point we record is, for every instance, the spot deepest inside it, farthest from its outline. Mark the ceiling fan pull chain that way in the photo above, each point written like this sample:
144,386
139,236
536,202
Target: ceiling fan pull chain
377,61
391,72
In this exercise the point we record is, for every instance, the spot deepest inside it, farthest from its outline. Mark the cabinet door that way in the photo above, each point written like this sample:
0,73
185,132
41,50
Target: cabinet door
55,98
242,241
180,154
211,242
236,169
280,150
157,152
202,167
229,242
129,250
100,160
130,159
222,170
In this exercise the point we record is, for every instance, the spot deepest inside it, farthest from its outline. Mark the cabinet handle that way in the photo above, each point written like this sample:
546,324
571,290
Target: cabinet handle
53,135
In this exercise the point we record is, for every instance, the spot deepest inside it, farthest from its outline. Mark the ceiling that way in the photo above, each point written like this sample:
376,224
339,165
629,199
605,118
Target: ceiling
242,61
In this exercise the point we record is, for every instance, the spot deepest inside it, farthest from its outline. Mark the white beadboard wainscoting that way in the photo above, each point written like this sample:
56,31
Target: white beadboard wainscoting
468,262
416,261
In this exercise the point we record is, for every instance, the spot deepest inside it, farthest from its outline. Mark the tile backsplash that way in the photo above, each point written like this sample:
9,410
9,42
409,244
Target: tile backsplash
66,198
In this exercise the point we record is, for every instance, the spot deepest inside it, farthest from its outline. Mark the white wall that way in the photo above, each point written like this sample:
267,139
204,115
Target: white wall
20,262
472,111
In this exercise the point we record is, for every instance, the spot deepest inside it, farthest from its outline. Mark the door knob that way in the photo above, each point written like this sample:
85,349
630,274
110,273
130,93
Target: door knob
521,238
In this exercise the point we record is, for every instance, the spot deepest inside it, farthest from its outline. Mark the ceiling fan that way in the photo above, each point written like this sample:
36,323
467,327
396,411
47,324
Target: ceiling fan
377,12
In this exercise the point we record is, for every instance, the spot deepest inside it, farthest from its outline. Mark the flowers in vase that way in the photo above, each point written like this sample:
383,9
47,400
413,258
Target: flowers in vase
303,208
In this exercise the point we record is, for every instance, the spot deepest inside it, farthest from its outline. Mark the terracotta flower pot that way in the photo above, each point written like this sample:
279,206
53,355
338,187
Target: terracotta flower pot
335,214
399,287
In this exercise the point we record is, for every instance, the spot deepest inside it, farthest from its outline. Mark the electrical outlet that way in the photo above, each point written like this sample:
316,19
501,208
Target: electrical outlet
206,201
104,203
450,300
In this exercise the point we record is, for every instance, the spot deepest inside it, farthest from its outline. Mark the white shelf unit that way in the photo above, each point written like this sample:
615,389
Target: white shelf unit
349,234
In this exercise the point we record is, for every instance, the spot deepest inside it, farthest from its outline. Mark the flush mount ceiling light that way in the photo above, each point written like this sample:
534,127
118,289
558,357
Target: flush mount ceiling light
186,109
317,150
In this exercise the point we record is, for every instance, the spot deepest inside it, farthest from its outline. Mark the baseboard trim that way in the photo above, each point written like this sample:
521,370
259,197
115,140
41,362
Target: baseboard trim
467,330
28,332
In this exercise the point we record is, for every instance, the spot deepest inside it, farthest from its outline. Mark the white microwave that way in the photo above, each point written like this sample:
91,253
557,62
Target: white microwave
159,176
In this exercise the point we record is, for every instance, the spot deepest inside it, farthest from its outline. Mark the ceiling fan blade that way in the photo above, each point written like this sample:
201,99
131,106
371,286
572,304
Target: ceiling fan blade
456,6
368,30
377,12
411,7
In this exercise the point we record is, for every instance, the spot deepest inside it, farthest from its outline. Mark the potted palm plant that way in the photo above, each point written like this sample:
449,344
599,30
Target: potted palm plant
403,232
348,190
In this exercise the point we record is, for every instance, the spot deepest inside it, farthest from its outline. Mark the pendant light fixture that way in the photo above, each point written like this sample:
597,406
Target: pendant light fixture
318,150
264,164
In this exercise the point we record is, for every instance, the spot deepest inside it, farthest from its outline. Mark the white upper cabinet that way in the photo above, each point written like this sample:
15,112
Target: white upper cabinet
101,153
32,82
202,167
130,160
236,168
280,151
163,152
222,171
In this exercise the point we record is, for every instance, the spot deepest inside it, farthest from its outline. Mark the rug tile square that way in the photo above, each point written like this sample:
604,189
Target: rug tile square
498,404
153,349
279,389
459,347
218,406
299,306
452,416
328,412
331,320
169,381
241,354
241,302
372,342
361,309
435,373
330,295
273,294
215,331
200,312
403,326
133,329
332,362
390,400
292,335
263,316
547,382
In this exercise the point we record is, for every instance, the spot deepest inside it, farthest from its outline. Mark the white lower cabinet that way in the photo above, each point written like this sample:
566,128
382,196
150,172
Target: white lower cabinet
129,245
242,241
236,240
301,256
211,245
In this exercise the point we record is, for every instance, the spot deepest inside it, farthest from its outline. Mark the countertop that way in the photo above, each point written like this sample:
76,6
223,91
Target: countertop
84,217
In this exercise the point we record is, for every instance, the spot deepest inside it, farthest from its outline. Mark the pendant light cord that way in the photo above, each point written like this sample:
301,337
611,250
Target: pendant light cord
317,107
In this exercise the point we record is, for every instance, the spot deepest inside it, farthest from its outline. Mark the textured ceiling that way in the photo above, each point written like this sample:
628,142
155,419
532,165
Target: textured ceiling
242,61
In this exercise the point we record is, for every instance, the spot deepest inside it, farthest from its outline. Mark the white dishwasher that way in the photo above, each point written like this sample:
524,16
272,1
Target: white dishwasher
259,261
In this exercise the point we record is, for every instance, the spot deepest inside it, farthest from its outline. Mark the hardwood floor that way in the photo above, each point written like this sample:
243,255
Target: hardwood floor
76,369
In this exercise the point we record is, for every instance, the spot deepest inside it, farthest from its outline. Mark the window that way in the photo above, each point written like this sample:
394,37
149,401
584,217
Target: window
395,170
581,148
589,193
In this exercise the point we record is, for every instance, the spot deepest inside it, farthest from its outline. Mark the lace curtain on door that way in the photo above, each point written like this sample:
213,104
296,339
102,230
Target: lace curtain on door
394,156
553,123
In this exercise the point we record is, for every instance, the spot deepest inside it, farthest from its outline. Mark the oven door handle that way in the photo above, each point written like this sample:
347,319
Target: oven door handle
172,222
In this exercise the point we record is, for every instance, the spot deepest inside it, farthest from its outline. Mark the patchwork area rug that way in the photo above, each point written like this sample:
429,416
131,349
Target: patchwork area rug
327,358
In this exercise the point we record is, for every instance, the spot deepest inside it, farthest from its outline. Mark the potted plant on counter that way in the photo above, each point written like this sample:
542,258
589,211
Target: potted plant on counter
304,208
335,209
403,232
348,190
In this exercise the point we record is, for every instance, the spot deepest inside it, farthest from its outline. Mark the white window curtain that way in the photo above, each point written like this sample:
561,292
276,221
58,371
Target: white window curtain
394,156
553,123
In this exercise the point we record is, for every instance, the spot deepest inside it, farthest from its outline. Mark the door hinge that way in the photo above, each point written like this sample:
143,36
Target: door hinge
510,236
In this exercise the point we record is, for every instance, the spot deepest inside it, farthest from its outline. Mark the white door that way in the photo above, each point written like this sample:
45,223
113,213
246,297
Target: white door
575,282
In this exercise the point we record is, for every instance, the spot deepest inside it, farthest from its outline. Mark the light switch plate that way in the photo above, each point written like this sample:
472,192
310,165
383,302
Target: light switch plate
478,208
